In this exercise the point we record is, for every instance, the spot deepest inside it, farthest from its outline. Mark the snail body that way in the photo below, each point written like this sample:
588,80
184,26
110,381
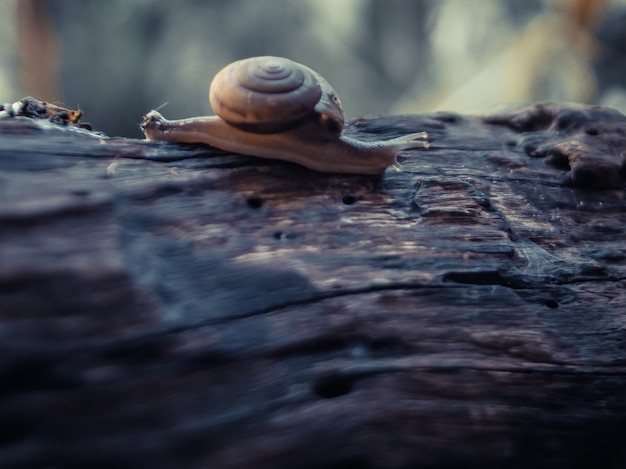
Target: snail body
272,107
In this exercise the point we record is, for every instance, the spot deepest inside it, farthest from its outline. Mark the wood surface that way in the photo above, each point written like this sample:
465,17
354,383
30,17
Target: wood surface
170,305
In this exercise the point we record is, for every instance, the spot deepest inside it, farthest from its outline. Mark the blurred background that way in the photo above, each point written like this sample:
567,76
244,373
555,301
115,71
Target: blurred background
118,59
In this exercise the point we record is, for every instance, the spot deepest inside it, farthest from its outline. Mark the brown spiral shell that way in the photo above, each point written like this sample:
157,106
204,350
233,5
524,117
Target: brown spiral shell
272,94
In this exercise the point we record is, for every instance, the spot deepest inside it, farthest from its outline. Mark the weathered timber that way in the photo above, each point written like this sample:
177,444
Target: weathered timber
168,305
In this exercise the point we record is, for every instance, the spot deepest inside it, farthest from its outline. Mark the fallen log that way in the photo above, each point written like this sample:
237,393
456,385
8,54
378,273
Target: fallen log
172,305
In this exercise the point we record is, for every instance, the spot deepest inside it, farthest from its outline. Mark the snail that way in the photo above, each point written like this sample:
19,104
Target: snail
272,107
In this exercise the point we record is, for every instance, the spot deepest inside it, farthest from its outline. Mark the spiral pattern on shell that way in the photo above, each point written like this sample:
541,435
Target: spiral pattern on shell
265,94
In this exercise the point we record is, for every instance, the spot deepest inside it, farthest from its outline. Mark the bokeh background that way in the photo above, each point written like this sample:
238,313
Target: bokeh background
117,59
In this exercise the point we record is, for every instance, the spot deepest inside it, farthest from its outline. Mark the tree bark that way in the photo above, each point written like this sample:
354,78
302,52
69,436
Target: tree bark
170,305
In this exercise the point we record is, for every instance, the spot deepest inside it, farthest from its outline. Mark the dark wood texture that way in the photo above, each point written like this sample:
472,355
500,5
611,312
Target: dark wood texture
168,305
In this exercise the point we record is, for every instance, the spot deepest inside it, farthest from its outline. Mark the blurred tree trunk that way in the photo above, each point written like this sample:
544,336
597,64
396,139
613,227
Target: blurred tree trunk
38,49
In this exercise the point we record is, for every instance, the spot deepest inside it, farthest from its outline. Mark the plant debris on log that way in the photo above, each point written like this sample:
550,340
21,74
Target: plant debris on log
36,109
171,305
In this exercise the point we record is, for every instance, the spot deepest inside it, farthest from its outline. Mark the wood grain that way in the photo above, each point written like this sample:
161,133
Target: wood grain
168,305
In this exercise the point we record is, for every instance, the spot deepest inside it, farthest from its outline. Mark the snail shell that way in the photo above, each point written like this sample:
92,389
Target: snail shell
273,94
275,108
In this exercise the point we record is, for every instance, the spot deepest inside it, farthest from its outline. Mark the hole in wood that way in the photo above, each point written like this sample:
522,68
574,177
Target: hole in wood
282,236
348,199
551,304
558,160
255,202
332,385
